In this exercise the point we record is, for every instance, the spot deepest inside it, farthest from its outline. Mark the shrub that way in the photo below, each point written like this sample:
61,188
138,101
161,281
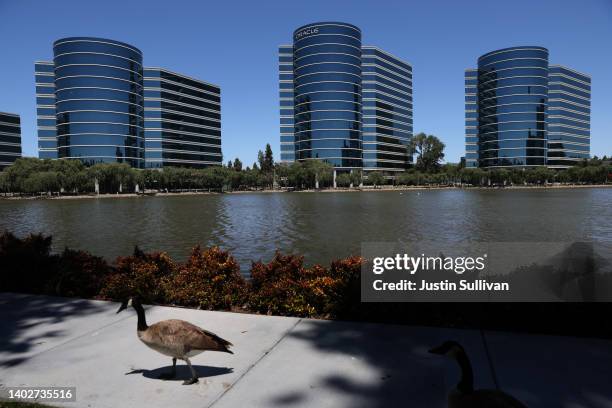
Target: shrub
142,275
344,299
210,279
284,286
375,178
79,274
343,180
26,264
278,287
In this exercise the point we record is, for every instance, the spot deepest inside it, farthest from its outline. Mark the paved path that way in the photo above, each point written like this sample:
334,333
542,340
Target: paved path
283,362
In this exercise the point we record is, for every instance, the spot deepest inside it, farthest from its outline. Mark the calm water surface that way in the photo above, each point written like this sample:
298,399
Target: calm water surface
321,226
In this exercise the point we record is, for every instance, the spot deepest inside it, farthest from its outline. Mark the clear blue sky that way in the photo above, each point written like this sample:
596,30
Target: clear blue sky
234,44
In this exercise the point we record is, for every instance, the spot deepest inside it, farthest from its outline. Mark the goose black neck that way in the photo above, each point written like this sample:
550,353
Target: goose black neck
142,320
466,384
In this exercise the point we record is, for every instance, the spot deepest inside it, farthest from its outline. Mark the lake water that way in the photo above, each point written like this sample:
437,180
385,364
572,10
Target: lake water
321,226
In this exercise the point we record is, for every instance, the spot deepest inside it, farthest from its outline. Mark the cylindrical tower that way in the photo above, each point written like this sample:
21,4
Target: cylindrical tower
327,86
99,101
512,100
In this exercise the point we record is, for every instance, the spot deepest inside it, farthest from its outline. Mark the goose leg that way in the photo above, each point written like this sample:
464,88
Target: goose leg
170,375
194,376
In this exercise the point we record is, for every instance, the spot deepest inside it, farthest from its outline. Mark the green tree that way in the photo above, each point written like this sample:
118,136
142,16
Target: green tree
473,176
356,177
429,151
237,164
268,161
4,183
49,181
499,176
260,160
296,175
375,178
406,179
318,173
343,180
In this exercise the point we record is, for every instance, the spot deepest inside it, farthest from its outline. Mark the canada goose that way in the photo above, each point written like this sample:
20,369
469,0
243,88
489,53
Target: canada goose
465,395
175,338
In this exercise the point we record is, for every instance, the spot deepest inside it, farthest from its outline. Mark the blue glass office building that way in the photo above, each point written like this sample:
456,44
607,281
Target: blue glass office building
386,111
99,101
508,115
569,116
10,139
287,102
45,109
342,103
182,120
91,106
471,118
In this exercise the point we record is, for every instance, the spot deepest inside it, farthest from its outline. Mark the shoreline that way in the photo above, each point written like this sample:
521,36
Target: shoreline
329,190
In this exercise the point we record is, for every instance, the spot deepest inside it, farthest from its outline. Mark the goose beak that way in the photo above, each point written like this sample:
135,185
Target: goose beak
122,307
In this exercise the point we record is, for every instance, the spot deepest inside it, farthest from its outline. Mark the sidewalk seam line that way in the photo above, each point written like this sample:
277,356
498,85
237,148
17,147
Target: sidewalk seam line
264,355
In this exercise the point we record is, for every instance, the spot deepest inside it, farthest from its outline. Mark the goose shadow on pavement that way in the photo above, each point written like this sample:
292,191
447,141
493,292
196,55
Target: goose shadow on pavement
182,372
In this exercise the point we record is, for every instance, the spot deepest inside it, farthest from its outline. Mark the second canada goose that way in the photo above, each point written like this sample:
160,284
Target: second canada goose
176,338
465,396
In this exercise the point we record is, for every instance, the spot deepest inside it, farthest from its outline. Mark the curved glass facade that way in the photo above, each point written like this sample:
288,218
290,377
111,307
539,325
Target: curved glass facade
327,93
99,101
512,100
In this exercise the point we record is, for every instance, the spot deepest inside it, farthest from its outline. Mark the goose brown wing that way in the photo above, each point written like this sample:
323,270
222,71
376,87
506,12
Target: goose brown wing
189,335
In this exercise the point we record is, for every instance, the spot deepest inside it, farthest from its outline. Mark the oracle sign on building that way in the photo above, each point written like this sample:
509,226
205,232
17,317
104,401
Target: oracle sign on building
306,31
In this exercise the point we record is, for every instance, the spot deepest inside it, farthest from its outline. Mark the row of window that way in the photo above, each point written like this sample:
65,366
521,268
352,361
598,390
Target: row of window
519,52
514,161
97,59
491,68
16,138
9,129
96,70
177,89
96,45
156,73
317,40
328,153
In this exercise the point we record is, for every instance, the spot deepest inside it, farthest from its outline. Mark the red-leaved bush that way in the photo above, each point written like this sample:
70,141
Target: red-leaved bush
143,275
285,287
210,279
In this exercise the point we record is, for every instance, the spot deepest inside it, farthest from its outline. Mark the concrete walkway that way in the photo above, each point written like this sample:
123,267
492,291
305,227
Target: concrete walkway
284,362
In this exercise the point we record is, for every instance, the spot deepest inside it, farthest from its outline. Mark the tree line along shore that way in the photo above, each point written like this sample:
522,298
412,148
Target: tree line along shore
31,177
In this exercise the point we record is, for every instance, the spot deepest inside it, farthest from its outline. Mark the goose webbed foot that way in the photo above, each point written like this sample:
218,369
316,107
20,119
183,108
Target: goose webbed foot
194,375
